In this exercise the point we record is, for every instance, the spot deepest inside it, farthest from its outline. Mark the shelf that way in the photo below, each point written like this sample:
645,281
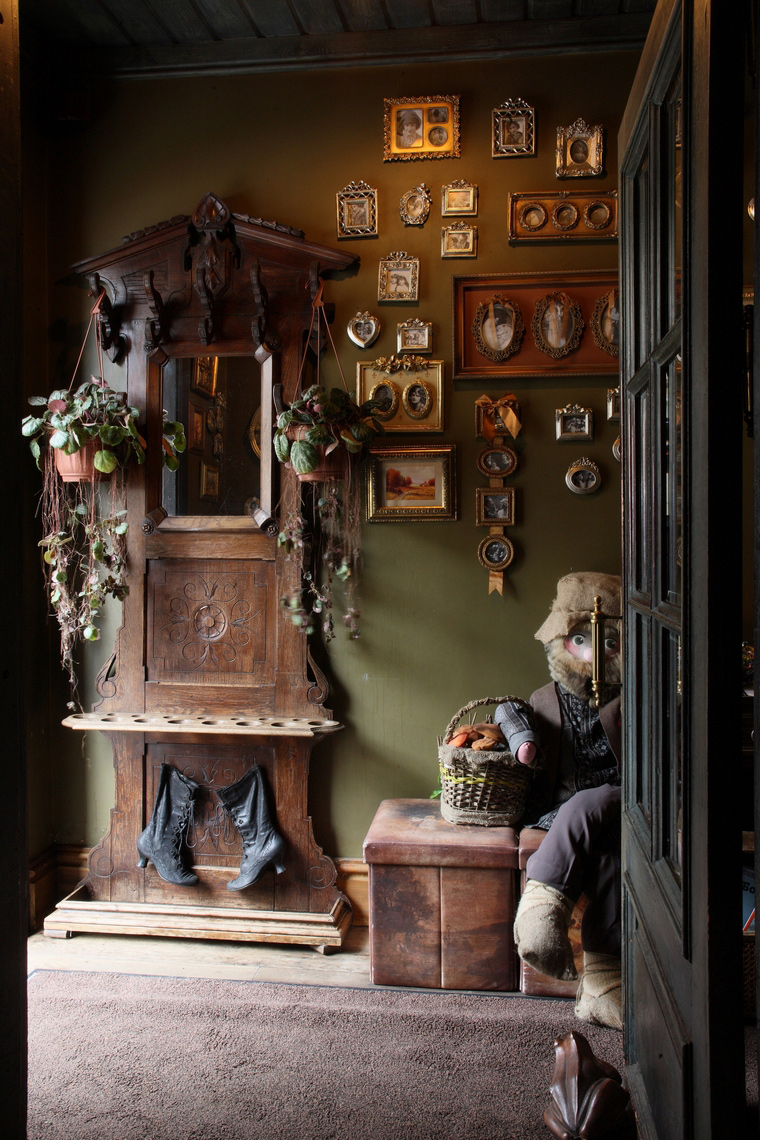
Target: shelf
203,724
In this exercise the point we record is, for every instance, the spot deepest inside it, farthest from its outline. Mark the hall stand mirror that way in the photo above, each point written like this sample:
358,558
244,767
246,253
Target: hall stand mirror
208,312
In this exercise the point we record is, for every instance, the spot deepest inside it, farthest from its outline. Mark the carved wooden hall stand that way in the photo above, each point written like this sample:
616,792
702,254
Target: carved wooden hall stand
208,674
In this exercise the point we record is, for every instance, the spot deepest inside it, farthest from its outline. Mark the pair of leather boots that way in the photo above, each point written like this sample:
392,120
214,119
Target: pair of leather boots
246,804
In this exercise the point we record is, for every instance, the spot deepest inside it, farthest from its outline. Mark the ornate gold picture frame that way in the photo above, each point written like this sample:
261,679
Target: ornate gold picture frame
459,198
414,335
414,206
205,371
574,423
459,240
426,126
411,387
495,552
557,324
513,129
498,328
495,506
416,483
398,277
357,211
605,323
580,150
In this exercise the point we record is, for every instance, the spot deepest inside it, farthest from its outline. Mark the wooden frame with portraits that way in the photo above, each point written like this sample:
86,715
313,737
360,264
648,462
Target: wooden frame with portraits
484,358
400,378
495,506
416,483
356,207
497,461
513,129
423,127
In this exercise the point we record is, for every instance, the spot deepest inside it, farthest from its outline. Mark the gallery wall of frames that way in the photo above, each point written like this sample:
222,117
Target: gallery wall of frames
480,308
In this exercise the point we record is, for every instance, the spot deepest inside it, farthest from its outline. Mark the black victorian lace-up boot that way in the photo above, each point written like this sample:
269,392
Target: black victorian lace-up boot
161,842
246,804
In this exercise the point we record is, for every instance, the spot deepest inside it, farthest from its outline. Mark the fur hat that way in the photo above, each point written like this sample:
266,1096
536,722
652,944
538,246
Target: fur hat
575,601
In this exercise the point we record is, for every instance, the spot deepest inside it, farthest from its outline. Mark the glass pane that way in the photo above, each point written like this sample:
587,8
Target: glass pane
671,510
671,768
218,400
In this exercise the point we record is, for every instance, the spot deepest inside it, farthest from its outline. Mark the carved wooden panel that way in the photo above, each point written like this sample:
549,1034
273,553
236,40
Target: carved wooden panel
211,622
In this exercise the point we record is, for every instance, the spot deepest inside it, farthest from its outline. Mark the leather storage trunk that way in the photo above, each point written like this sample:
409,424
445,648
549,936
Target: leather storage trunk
442,899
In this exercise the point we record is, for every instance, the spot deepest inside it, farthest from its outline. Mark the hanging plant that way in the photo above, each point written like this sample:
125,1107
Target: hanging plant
317,427
84,526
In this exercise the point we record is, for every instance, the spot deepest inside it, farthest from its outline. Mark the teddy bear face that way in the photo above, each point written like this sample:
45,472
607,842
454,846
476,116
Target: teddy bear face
569,658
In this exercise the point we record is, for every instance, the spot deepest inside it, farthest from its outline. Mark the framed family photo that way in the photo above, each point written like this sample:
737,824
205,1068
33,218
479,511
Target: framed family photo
426,126
414,336
580,151
495,552
513,129
495,506
357,210
498,328
459,197
412,396
574,423
415,483
398,277
459,240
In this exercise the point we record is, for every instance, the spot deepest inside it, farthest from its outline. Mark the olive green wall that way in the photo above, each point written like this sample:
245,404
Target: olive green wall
280,147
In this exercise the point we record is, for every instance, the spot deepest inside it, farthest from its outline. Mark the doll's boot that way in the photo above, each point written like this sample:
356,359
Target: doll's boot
161,842
541,925
246,804
599,997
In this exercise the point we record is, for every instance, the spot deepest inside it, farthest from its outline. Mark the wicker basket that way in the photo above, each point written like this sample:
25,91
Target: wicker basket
483,788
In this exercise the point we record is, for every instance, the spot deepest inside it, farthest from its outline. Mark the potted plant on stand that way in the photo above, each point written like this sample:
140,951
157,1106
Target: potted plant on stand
82,441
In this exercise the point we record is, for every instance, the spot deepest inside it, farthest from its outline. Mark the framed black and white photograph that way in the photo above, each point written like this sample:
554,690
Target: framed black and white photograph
495,552
580,151
414,206
513,129
363,329
398,277
497,462
498,328
497,417
389,396
417,399
459,240
412,484
459,197
605,323
421,127
495,507
583,477
574,423
414,336
357,210
557,324
613,404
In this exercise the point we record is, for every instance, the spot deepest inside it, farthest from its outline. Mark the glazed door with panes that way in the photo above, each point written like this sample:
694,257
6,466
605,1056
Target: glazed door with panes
680,185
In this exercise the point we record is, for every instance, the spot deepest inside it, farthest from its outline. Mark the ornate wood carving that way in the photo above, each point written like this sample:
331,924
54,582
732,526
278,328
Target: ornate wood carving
207,673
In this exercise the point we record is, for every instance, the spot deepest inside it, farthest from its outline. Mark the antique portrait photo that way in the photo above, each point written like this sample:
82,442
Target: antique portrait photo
398,278
417,399
513,130
580,151
363,329
459,240
204,374
495,507
414,336
357,210
495,552
574,422
388,395
414,206
583,477
422,127
459,197
498,328
605,323
497,462
557,324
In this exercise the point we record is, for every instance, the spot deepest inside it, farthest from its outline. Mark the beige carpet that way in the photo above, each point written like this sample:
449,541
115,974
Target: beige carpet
117,1057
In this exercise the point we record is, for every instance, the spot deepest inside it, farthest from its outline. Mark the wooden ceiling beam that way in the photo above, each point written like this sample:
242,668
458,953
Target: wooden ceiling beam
352,49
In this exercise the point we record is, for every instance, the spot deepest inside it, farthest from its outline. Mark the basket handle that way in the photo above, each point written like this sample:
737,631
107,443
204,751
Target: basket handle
473,705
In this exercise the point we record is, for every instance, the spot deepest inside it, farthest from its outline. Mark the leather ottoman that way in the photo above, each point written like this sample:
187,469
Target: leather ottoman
442,900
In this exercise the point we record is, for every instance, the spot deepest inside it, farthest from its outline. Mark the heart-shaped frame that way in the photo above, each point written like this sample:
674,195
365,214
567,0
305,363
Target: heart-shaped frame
364,329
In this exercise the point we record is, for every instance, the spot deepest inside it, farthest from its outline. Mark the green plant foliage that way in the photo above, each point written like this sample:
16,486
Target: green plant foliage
331,419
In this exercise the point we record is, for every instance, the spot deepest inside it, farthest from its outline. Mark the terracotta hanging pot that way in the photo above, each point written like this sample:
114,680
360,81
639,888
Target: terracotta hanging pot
329,467
79,467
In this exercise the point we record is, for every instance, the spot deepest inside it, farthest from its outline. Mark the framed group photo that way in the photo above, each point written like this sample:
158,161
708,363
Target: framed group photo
412,396
426,126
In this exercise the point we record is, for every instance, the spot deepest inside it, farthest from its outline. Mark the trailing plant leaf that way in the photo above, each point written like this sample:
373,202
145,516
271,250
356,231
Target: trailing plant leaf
303,456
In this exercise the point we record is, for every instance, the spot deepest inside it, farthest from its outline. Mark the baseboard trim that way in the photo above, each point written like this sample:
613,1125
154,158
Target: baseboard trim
54,874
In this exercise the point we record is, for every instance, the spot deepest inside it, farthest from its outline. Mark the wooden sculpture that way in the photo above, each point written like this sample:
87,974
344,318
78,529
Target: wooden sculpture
588,1097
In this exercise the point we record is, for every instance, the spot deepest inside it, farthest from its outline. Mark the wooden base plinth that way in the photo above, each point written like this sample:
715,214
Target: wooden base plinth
78,913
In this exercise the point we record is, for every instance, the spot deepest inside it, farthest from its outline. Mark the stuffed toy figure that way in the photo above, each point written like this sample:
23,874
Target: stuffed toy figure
575,798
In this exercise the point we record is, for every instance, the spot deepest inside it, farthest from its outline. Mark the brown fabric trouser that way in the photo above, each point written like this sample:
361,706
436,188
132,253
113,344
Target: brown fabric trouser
581,856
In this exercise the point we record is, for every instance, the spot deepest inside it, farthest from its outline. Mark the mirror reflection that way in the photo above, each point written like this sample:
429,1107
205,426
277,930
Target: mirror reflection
218,399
